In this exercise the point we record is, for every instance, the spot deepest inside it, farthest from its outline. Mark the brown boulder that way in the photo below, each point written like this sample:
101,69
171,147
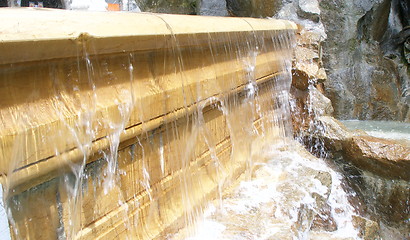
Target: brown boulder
332,131
306,67
305,73
383,157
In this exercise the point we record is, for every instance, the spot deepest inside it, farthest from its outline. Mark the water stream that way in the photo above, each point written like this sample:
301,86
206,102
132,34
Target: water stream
381,129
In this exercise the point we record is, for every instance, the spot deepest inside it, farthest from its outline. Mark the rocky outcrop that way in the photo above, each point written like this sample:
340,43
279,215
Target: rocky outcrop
308,76
378,171
362,52
387,158
383,157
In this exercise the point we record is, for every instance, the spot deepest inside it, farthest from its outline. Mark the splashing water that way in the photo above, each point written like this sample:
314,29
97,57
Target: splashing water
292,196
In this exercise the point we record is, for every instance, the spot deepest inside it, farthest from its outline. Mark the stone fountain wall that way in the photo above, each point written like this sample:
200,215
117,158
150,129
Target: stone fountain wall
122,125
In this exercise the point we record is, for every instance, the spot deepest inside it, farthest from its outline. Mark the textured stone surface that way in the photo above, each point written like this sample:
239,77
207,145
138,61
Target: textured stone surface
213,8
319,104
305,74
384,157
377,170
309,9
387,158
362,82
369,230
308,75
385,202
306,64
331,131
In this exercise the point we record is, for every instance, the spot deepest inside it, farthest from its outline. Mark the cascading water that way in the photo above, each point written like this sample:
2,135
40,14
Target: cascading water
143,140
292,196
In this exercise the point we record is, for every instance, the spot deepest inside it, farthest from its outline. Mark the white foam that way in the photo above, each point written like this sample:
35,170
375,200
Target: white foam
4,223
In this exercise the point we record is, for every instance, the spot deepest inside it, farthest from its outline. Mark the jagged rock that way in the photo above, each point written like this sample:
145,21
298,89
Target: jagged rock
319,104
386,201
253,8
299,113
383,157
378,170
309,38
309,9
305,73
307,65
334,129
321,75
323,220
307,105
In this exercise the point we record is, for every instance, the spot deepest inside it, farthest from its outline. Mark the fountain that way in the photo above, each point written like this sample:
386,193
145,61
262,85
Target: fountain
123,125
155,126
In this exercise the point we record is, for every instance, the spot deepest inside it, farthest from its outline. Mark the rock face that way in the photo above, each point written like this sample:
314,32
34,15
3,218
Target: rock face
366,80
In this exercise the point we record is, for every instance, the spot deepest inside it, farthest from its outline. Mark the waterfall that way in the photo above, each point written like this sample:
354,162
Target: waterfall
143,126
113,128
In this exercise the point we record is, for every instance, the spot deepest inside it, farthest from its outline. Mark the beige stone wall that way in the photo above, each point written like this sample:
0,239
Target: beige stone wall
152,108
